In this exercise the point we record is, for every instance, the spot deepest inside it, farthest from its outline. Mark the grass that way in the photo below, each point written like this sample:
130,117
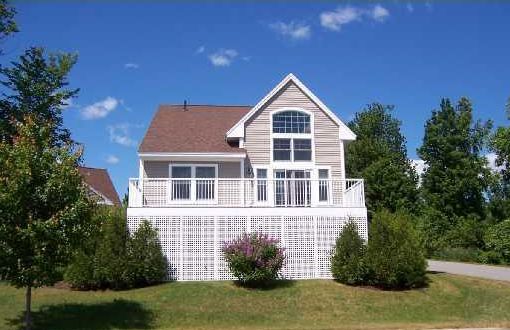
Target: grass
448,301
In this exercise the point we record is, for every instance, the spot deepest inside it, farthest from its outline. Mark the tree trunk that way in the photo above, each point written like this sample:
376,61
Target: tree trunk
28,306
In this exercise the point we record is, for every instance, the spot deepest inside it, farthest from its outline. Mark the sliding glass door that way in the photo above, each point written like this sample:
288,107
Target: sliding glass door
292,187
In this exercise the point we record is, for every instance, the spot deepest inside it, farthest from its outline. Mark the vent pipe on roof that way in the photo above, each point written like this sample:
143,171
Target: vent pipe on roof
185,108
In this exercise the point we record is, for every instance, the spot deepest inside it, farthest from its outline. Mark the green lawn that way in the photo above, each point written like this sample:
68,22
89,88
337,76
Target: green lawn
449,301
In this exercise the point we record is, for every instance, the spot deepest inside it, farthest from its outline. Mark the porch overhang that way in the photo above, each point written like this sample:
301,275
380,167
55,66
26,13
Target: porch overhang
193,156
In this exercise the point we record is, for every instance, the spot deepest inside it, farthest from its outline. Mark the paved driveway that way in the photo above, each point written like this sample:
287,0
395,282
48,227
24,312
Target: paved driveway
460,268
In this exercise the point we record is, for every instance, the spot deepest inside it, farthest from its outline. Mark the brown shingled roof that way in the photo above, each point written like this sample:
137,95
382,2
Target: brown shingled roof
200,128
100,181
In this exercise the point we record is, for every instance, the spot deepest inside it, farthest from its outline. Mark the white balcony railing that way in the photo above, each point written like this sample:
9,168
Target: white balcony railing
246,192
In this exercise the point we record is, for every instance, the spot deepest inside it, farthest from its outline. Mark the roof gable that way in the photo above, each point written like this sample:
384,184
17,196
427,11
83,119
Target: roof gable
237,130
100,183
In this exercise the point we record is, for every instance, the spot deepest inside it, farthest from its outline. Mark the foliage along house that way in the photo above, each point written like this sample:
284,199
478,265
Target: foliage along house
207,174
99,185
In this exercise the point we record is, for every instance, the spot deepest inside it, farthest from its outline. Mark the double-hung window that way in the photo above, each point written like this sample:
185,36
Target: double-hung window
292,136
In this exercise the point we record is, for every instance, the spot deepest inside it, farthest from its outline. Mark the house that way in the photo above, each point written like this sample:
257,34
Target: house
100,185
207,174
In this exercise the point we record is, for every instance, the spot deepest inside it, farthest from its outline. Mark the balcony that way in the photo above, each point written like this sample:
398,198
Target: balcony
164,192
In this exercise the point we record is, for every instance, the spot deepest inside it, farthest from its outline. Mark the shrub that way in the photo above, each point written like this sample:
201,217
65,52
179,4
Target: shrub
347,262
497,242
80,272
112,259
254,259
147,264
395,255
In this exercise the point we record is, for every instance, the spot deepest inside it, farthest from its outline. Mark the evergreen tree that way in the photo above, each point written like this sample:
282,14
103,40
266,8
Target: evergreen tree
7,24
457,176
36,86
379,157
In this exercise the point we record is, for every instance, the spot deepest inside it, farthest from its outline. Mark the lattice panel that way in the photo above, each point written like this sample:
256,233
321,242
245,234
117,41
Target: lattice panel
197,248
230,192
269,225
328,229
299,243
192,244
228,228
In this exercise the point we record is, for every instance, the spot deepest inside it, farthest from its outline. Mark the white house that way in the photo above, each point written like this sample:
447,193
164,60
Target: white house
210,173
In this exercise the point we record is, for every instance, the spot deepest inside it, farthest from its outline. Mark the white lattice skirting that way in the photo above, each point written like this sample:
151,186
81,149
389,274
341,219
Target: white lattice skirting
192,243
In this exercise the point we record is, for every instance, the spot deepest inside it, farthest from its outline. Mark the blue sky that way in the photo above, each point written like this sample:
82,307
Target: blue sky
135,56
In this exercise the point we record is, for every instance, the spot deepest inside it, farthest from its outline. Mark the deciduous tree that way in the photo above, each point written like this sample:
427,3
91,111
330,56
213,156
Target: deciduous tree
44,208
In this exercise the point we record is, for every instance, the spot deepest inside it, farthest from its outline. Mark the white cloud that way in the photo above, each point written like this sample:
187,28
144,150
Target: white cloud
419,166
491,162
131,66
200,50
379,13
68,103
409,7
334,20
292,30
120,134
99,109
223,57
111,159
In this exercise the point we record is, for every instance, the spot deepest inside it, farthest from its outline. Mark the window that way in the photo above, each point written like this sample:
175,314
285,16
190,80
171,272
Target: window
281,149
205,182
181,189
193,182
291,122
323,185
302,149
292,136
292,150
261,185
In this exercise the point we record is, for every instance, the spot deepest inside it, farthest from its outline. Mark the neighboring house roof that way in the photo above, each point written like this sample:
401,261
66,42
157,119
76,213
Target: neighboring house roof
237,130
100,183
198,128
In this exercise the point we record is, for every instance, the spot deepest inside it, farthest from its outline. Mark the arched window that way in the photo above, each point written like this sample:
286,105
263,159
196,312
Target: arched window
291,122
288,145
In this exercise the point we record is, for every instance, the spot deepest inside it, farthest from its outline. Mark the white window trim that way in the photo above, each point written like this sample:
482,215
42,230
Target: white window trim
193,178
269,193
292,136
327,202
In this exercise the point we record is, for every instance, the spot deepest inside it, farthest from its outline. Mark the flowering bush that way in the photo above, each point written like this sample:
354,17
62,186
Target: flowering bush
254,259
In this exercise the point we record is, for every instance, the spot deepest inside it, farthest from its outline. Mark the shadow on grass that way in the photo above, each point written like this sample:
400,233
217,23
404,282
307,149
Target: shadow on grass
266,286
119,314
418,287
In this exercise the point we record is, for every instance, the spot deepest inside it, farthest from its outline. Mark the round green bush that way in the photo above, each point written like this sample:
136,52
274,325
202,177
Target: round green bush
347,262
254,259
497,242
79,273
395,255
146,263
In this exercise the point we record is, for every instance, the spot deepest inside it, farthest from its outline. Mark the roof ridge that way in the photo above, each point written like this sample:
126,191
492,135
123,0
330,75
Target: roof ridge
205,105
93,168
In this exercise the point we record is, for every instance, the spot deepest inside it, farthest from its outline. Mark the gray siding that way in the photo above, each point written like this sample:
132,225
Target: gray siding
160,169
327,142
